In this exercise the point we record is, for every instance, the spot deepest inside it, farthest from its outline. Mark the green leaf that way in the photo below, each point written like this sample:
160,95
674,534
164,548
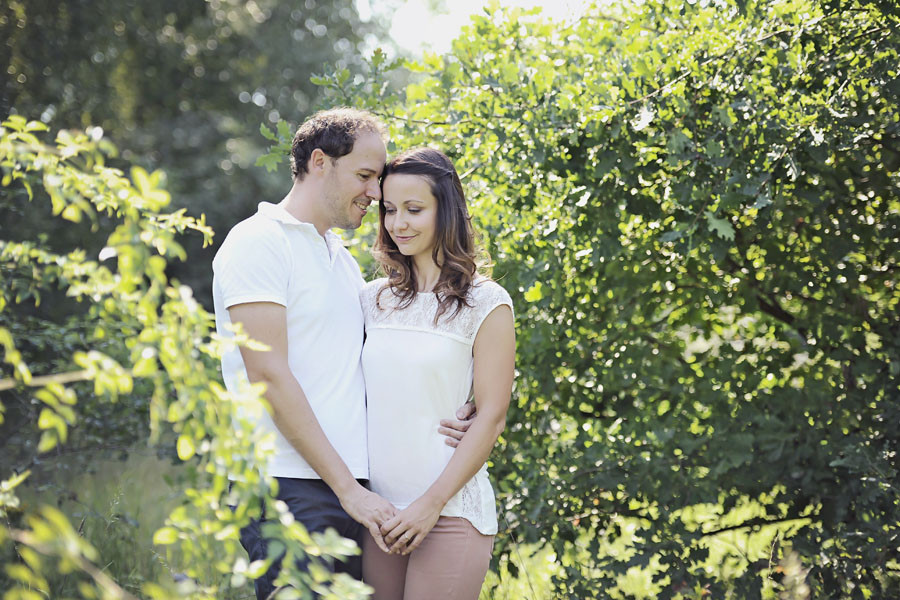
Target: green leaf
267,133
185,447
48,441
721,227
535,293
270,161
47,419
378,57
11,483
141,180
165,536
145,366
285,135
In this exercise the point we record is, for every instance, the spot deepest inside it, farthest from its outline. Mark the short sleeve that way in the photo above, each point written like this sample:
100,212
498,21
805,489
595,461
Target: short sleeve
253,265
367,297
488,296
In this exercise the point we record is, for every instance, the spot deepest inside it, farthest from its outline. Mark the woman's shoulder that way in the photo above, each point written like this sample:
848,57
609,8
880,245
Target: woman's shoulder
369,291
488,293
376,284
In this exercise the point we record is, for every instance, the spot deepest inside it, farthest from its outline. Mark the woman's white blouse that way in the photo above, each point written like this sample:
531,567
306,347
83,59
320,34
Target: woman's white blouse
417,373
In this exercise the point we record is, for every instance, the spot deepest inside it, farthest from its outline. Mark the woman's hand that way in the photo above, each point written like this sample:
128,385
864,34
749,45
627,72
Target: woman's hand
369,509
407,529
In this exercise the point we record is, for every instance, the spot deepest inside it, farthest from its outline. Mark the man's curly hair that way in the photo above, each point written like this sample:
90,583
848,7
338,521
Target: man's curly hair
333,131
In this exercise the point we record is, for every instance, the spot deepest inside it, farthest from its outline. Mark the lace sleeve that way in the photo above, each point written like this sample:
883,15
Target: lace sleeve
367,296
487,295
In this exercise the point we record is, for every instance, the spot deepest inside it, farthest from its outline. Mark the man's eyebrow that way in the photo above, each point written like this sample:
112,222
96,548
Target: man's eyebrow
373,171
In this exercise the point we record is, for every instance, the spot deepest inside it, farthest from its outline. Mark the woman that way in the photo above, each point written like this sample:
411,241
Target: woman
437,334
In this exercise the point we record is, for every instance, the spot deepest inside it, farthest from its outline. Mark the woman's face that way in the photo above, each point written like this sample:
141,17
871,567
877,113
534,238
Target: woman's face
410,213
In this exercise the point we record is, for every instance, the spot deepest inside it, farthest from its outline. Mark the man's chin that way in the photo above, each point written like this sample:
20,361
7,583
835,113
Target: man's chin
349,225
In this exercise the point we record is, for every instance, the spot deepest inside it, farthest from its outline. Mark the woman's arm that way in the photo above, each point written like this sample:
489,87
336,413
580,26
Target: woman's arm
494,354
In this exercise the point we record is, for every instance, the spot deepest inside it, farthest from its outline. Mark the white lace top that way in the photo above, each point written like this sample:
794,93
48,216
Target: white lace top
417,373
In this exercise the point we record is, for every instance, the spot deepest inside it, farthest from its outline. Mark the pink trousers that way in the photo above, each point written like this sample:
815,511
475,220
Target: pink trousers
449,564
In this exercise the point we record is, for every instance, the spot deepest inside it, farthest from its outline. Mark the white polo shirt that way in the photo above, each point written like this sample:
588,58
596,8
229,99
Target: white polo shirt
273,257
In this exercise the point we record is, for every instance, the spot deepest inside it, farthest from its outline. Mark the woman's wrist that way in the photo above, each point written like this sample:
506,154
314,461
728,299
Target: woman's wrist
434,499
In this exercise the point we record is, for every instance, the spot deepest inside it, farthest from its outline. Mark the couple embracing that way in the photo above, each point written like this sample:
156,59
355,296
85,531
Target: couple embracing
369,383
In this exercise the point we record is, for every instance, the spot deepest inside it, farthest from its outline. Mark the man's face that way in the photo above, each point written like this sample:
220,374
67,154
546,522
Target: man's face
351,184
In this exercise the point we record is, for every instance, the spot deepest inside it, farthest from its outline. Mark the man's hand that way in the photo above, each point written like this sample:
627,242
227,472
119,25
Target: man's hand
370,510
456,429
409,527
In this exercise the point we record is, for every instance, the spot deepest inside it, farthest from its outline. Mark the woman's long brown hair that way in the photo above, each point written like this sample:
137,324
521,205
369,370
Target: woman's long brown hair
454,249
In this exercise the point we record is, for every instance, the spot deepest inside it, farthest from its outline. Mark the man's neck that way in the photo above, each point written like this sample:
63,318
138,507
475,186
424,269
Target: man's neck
303,203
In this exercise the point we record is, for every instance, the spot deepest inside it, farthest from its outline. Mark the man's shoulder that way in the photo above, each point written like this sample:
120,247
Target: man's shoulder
254,228
255,235
255,225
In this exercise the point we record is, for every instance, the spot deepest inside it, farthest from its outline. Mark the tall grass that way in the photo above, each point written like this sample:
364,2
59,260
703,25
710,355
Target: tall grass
118,504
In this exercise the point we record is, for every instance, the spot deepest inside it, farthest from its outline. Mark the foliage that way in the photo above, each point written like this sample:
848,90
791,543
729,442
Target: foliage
181,86
141,334
695,206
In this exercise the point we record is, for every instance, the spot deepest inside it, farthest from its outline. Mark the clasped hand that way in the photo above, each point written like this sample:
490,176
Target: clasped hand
407,529
371,510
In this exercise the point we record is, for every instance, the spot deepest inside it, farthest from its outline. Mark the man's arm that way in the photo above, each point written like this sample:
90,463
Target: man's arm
455,429
266,322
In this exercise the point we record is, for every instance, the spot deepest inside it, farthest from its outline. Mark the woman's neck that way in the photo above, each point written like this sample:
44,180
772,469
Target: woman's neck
427,273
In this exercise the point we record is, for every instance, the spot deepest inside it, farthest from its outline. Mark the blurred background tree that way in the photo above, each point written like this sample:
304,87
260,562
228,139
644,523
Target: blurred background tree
181,88
179,85
145,338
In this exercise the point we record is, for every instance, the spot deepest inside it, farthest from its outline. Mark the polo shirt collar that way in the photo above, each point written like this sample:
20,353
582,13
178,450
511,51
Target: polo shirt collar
277,213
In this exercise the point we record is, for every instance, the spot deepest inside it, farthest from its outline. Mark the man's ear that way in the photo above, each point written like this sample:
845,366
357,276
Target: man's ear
317,160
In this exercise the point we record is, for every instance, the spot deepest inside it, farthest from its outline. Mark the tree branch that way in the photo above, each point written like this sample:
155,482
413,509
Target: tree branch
755,522
42,380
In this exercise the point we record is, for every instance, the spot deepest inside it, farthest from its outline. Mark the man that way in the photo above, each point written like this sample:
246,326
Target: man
287,279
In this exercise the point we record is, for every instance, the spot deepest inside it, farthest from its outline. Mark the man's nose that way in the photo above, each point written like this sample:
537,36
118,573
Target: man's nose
374,191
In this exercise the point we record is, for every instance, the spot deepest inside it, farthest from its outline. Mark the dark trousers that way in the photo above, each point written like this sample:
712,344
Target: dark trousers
314,504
